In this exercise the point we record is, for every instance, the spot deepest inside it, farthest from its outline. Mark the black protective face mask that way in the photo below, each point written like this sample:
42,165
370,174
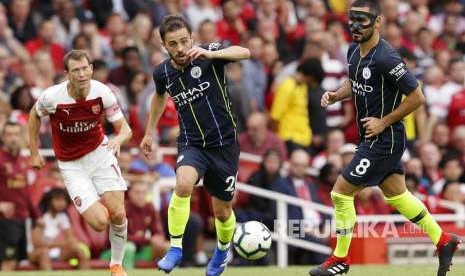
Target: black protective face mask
358,20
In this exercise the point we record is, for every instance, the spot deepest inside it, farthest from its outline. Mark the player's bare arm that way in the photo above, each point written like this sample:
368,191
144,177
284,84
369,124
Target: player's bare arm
330,97
374,126
37,162
231,53
157,107
124,134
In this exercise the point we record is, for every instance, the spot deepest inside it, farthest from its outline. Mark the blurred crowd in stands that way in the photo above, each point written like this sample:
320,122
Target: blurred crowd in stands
298,51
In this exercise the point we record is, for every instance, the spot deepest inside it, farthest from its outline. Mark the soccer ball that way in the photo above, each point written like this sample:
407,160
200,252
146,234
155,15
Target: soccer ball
252,240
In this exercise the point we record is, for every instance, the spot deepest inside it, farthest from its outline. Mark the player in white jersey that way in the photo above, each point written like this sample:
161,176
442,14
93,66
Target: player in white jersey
86,157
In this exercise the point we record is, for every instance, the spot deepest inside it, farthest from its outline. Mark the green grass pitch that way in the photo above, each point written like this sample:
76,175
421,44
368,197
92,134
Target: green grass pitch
355,270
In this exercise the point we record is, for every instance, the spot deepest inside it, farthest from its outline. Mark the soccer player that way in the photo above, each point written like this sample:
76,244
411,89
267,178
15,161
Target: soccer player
85,156
207,143
377,80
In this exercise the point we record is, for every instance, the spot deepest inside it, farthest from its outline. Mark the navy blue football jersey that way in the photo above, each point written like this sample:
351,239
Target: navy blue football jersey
202,100
378,82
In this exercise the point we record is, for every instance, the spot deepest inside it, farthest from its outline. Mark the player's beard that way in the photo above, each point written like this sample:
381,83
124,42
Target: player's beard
178,62
363,35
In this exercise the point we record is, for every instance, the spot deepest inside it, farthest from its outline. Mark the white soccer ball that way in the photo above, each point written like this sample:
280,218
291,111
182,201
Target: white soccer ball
252,240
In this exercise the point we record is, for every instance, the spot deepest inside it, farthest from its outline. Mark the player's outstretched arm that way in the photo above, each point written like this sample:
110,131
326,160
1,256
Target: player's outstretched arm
233,53
342,93
37,161
157,107
124,134
374,126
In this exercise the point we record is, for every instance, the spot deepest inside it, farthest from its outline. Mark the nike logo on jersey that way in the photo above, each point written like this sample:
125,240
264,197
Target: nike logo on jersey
66,111
169,85
354,174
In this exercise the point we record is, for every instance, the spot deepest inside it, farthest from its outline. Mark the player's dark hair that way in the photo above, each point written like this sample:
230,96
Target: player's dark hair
173,23
75,55
312,67
373,5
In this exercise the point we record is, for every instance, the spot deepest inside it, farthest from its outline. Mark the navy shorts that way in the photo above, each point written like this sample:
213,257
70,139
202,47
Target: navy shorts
370,166
218,167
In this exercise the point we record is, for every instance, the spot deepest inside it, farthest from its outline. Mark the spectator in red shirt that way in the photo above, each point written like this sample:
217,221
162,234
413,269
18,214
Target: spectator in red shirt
456,114
15,203
44,42
231,28
168,127
145,229
258,139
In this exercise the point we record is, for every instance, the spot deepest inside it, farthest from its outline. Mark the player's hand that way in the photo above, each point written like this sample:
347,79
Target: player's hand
328,98
114,146
37,161
197,52
373,126
146,146
7,209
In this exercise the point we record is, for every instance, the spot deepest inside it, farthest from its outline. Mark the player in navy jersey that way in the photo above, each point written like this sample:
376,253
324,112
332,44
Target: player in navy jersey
377,80
207,146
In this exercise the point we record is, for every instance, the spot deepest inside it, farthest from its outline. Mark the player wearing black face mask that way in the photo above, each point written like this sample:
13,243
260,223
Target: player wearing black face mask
378,80
361,25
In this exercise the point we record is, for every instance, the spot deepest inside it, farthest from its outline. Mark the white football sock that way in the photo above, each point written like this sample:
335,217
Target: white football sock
118,236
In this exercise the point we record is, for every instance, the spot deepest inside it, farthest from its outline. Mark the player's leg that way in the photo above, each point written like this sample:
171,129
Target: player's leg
342,196
220,181
178,215
84,194
225,222
397,195
97,216
114,203
179,206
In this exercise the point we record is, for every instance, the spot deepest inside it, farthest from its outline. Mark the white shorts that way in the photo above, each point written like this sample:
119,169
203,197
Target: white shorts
88,177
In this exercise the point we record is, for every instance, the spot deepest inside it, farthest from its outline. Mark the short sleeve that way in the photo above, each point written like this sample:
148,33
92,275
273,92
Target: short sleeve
44,105
110,104
216,46
395,70
159,86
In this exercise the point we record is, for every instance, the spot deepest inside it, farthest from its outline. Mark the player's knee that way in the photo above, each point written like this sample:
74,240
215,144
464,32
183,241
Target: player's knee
118,216
184,188
223,214
99,223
